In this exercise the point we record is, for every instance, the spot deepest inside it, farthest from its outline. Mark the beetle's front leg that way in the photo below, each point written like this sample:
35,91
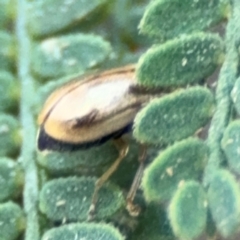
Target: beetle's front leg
122,147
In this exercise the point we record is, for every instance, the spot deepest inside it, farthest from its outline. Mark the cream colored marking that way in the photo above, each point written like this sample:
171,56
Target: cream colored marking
78,82
104,97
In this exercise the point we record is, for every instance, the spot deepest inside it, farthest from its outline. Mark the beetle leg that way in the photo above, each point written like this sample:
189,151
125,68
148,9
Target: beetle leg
132,208
123,147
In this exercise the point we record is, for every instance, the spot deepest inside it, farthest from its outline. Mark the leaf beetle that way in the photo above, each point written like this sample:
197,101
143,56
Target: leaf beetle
90,111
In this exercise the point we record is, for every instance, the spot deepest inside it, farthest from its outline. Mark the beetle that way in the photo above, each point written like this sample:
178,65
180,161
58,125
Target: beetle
90,111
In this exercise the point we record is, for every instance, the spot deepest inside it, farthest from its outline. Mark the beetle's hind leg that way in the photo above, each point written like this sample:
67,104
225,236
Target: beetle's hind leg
132,208
122,147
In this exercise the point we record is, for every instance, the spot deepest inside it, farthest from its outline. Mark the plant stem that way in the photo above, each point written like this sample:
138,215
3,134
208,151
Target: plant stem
227,78
27,157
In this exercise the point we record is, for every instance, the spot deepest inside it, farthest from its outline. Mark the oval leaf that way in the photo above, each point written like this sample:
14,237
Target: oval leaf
12,221
180,62
50,16
7,51
83,231
188,211
5,14
183,161
11,179
61,56
224,202
187,16
10,137
154,224
66,162
9,91
175,116
70,199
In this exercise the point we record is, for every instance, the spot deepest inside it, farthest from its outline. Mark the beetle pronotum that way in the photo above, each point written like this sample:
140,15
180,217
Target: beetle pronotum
89,112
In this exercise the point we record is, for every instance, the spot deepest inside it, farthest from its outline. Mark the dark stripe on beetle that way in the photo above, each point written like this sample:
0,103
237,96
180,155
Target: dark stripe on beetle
79,123
46,142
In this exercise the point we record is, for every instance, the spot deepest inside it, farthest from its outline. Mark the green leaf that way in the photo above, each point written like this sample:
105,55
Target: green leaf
88,231
50,16
175,116
153,224
70,199
65,162
6,8
231,143
7,51
180,62
210,227
182,161
65,55
224,202
10,139
167,19
127,15
188,211
11,179
9,91
12,221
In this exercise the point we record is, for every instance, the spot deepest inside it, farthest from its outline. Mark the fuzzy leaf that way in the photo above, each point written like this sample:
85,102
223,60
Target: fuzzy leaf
210,227
188,211
64,162
231,143
50,16
224,202
11,179
7,51
65,55
175,116
9,135
153,224
88,231
70,199
180,62
166,19
4,13
182,161
12,221
9,91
